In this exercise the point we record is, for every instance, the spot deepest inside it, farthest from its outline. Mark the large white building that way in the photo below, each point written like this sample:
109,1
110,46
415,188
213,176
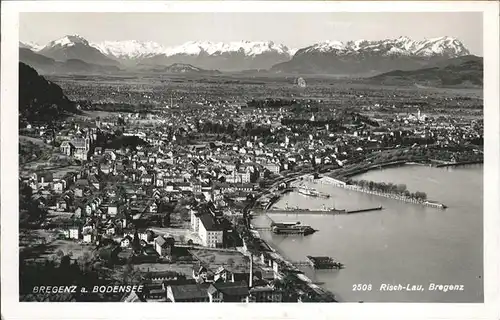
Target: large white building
209,231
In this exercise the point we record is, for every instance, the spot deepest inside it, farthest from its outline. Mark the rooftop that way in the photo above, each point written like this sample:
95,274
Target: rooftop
209,222
189,291
239,288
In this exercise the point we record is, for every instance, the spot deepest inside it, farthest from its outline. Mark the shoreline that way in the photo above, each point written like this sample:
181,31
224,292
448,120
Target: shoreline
430,163
456,164
304,278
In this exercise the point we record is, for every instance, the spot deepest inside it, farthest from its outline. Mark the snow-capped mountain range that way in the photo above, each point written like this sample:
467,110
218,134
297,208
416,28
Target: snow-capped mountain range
132,49
370,57
30,45
443,46
327,56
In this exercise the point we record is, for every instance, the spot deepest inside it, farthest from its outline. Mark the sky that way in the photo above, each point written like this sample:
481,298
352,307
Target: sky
295,30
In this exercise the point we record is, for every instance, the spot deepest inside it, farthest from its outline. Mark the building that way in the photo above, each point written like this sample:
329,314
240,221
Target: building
195,220
112,210
266,294
187,293
273,167
81,148
202,274
126,242
210,231
228,292
88,238
164,246
67,148
59,186
74,232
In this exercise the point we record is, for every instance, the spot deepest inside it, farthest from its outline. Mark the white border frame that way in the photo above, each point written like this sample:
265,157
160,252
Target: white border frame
12,309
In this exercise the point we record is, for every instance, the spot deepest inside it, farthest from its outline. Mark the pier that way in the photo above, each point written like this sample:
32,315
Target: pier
319,212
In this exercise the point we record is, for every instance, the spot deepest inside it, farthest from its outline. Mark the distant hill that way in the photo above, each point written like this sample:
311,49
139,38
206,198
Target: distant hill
46,65
178,68
79,66
34,59
40,99
466,71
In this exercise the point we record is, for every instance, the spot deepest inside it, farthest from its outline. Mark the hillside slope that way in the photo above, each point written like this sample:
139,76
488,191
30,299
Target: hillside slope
46,65
40,99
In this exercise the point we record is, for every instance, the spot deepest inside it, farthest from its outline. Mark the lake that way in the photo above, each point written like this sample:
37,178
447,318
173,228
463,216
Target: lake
402,244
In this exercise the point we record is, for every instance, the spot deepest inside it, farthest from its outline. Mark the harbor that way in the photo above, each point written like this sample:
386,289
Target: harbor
378,235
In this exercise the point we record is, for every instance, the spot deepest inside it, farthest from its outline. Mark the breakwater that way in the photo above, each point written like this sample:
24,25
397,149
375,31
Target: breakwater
455,164
427,203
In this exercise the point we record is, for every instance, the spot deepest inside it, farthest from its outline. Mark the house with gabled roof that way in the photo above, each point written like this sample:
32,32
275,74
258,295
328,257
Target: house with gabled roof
228,292
188,293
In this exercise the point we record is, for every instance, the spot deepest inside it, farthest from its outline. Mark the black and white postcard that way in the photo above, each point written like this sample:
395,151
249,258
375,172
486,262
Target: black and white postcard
310,155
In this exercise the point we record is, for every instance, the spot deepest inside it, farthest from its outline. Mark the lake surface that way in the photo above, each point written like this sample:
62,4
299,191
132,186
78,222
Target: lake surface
402,244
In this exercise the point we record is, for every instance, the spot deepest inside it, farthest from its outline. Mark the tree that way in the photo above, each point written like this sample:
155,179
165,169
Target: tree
136,244
151,235
401,188
421,195
165,220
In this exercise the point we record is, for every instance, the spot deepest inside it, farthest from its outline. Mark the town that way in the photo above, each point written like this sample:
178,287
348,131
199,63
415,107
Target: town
154,181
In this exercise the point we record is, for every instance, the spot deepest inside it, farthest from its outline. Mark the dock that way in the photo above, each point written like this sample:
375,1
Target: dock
365,210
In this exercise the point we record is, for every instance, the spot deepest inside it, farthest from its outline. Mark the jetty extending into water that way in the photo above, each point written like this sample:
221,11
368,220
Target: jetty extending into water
342,184
330,211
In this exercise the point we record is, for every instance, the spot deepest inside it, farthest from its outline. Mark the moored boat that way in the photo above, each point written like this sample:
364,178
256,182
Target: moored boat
291,228
324,263
305,190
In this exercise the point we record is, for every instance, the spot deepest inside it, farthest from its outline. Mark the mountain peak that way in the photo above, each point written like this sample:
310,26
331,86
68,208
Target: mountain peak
441,46
69,40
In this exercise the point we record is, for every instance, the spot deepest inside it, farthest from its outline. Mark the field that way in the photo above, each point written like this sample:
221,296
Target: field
43,244
185,269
